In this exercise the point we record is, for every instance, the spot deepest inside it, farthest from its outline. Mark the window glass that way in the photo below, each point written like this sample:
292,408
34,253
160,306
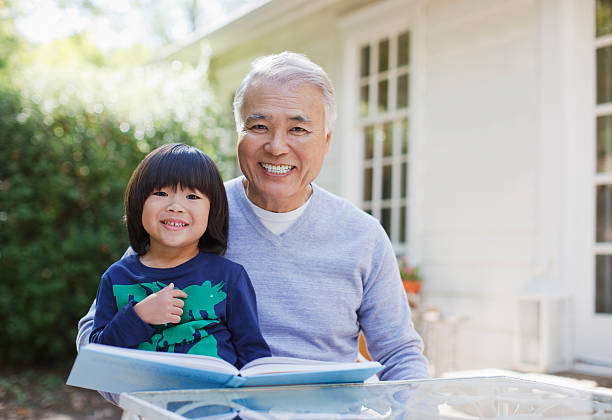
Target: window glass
603,284
365,61
604,214
404,180
367,184
604,143
364,100
387,179
604,74
388,139
383,96
385,219
404,136
402,232
383,55
603,25
402,91
369,142
403,49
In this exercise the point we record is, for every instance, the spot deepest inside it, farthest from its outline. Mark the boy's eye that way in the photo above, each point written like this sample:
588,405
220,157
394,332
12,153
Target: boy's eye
159,193
192,197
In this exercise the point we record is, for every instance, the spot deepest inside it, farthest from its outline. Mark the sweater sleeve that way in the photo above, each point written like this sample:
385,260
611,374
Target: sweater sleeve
384,317
123,327
85,324
243,322
84,327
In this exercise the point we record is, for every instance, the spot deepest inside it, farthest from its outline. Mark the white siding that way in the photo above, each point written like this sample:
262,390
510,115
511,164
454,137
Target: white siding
479,168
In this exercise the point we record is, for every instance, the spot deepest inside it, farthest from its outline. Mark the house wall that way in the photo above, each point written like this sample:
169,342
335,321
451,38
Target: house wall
476,187
479,168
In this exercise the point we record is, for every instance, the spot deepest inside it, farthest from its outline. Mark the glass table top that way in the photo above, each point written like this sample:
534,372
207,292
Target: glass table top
459,398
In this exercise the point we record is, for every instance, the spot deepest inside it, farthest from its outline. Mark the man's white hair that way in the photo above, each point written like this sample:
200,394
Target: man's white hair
288,69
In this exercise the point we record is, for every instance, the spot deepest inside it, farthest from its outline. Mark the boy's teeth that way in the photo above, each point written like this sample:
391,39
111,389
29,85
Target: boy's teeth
175,224
277,169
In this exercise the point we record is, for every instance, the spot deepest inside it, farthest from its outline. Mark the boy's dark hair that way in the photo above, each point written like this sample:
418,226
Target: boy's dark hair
188,167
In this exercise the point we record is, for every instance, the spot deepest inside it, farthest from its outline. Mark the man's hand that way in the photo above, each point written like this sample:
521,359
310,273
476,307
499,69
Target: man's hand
162,307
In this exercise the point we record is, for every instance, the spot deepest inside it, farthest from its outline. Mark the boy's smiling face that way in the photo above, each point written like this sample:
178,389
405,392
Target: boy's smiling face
175,219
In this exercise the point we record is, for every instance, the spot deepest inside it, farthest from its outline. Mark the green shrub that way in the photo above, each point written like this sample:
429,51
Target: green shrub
65,165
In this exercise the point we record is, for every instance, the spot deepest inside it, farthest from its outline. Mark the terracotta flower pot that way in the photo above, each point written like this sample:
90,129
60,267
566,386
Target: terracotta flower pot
411,286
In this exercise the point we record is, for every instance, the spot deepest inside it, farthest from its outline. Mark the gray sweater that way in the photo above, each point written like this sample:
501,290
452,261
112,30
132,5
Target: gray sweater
330,274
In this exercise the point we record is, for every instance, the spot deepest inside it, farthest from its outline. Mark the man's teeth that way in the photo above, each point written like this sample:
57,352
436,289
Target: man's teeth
174,224
277,169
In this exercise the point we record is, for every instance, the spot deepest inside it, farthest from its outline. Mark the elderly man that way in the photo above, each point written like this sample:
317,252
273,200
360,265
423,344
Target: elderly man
322,269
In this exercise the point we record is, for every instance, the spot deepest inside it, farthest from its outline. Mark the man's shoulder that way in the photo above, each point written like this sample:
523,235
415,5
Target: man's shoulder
231,184
119,267
341,207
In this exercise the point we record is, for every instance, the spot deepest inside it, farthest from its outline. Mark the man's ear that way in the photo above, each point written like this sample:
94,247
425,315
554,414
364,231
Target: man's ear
327,141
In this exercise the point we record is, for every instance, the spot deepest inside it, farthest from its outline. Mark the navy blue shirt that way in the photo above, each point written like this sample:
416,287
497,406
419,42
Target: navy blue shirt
219,317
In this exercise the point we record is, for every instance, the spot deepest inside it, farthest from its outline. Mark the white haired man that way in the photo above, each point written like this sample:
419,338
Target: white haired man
322,269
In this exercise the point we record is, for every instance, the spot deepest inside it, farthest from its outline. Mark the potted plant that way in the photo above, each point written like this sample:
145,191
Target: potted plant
410,275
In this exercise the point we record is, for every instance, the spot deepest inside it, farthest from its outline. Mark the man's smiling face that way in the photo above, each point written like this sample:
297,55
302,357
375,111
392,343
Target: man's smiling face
282,143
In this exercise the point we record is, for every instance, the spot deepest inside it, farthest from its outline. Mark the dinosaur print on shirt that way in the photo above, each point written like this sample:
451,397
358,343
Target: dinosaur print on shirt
198,313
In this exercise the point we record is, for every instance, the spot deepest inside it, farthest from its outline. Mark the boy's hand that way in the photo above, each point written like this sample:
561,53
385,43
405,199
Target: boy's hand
162,307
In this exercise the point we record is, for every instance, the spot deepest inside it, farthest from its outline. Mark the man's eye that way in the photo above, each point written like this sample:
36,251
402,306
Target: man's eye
298,130
192,197
159,193
258,127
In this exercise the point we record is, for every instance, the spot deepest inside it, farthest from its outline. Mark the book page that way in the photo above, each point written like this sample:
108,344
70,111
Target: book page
195,361
266,365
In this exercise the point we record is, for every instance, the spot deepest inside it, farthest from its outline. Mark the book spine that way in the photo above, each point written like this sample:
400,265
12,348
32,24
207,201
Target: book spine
235,382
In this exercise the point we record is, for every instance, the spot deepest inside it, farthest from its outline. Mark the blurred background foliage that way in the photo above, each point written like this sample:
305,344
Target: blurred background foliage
74,123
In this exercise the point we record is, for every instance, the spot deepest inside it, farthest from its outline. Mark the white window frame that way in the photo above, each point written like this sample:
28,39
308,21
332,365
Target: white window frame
369,26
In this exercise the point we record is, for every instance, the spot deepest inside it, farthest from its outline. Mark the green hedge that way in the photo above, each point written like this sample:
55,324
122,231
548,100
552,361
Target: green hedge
63,174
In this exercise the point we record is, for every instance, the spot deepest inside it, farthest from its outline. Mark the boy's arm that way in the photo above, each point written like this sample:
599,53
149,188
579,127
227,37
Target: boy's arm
243,322
121,327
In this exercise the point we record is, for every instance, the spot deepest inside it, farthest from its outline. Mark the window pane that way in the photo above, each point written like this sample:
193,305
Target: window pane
604,144
604,213
369,142
403,49
383,55
365,61
604,74
404,136
404,179
604,17
388,140
382,95
385,220
402,232
367,184
603,284
364,100
402,91
386,182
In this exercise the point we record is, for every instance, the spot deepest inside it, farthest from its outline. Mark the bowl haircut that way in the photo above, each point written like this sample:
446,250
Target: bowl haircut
185,166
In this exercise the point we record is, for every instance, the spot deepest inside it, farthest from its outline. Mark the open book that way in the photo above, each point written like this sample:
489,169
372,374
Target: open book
117,369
